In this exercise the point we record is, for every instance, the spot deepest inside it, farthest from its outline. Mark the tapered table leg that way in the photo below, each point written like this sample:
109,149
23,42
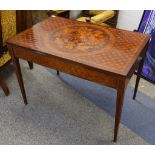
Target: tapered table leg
30,64
19,77
119,105
140,70
4,86
138,77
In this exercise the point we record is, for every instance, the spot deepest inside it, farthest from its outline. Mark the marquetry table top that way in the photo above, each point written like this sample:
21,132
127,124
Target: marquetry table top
100,47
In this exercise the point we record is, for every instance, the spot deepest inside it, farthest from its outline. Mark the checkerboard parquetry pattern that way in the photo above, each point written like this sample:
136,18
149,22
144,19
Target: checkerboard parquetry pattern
121,48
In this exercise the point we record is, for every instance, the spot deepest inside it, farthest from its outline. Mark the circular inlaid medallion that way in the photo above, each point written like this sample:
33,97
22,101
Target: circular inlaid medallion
79,38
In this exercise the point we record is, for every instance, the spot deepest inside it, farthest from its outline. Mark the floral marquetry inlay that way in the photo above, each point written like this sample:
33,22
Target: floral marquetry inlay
79,38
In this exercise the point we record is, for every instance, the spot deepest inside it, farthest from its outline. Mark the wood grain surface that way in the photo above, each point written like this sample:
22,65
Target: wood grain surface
97,46
96,53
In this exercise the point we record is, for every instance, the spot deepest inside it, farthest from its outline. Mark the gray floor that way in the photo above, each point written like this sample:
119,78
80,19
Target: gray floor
145,87
138,115
56,114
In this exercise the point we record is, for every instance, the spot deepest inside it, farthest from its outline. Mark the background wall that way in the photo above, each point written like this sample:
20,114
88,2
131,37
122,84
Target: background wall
129,19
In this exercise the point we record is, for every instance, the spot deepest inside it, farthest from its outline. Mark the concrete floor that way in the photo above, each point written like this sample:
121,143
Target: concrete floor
145,87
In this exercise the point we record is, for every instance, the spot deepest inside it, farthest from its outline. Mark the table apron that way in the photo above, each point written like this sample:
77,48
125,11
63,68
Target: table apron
67,66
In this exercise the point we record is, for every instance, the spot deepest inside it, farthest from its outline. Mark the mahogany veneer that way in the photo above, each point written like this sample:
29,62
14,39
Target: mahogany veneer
101,54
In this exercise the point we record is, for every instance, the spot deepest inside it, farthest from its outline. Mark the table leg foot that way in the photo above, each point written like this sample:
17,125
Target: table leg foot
119,104
30,64
58,73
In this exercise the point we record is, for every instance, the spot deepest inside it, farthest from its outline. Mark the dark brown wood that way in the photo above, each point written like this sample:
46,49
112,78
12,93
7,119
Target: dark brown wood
92,52
58,73
68,66
139,72
119,104
18,74
24,21
4,86
30,64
